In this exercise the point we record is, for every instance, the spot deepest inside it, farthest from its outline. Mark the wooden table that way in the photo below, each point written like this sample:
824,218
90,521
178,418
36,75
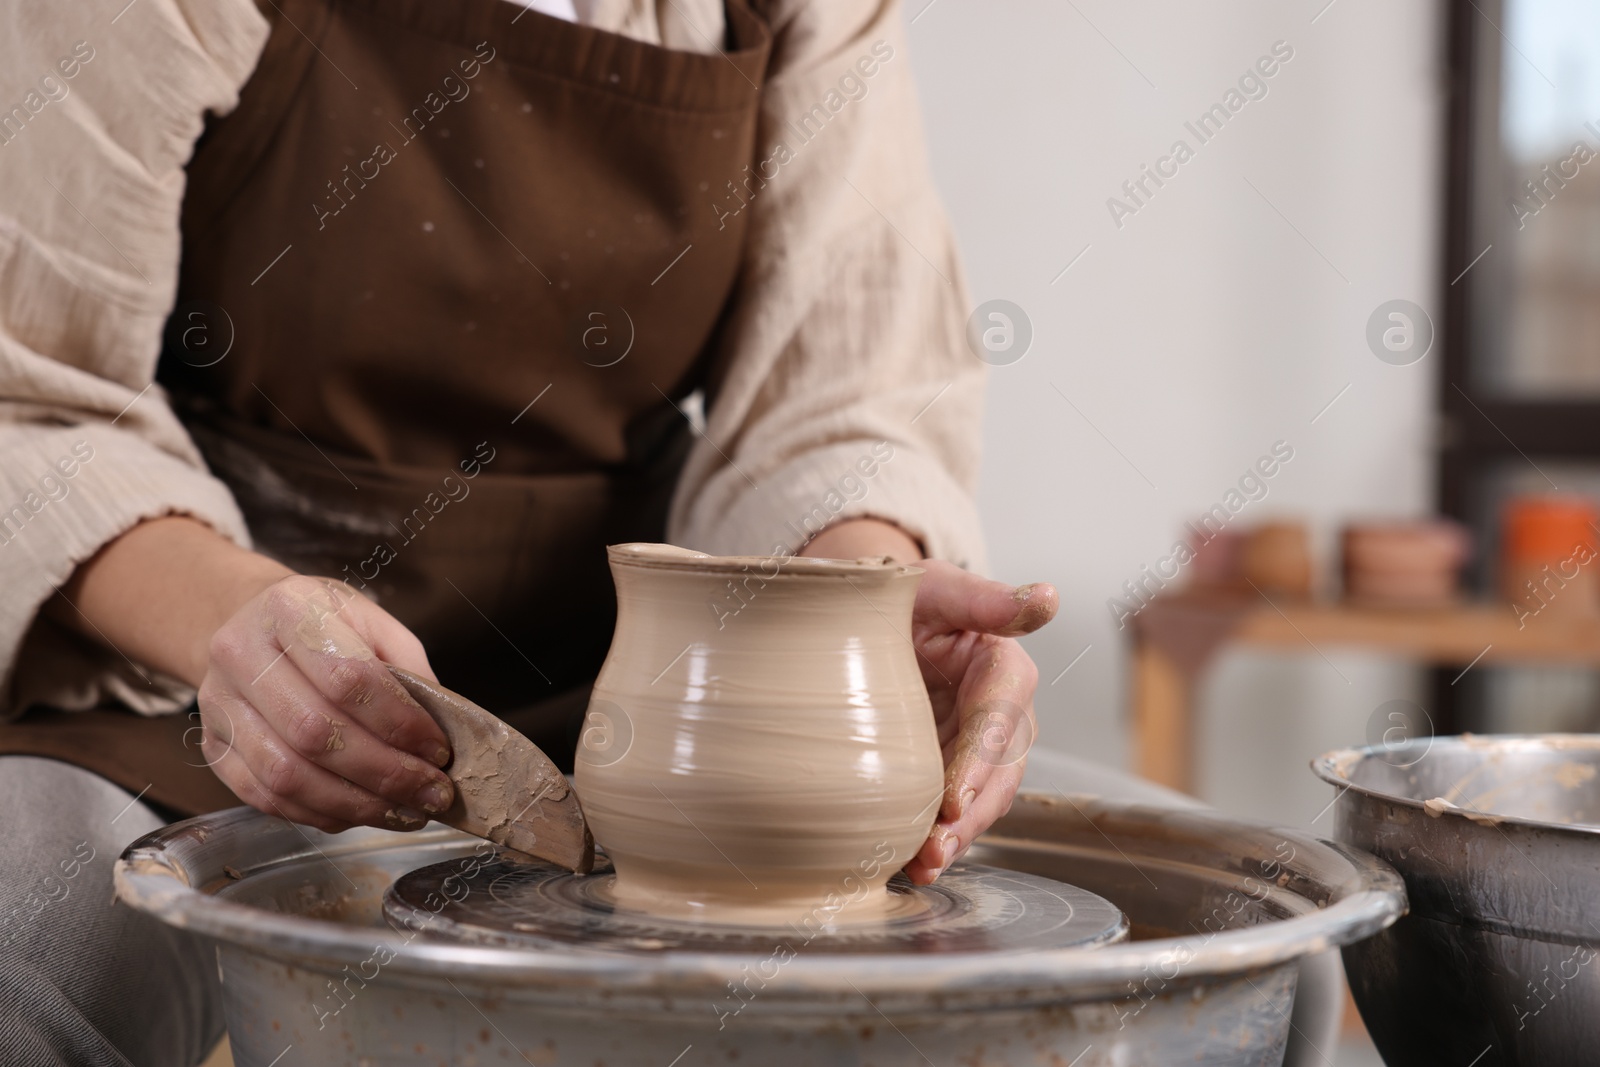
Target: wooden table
1176,637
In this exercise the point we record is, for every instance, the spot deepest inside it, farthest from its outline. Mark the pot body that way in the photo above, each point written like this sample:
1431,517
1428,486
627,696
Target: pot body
759,739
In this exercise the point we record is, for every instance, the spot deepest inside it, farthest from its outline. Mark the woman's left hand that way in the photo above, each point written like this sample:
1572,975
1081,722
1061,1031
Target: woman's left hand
981,683
979,679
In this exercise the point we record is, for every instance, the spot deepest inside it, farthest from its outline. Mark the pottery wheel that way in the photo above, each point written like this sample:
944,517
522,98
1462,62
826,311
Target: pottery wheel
537,905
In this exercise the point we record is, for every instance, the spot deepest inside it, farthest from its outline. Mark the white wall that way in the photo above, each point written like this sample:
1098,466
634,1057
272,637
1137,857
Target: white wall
1201,331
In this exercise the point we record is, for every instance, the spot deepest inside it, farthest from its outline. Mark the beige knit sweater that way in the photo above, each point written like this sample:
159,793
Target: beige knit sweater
847,329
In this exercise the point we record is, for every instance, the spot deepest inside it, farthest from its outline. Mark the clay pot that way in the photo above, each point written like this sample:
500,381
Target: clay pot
1218,560
1277,559
759,744
1404,563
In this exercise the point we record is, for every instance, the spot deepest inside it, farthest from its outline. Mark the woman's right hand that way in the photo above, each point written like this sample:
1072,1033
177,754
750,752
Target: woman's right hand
303,720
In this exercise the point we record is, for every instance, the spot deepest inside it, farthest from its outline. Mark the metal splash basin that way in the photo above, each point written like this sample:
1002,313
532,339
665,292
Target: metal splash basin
1498,839
1202,970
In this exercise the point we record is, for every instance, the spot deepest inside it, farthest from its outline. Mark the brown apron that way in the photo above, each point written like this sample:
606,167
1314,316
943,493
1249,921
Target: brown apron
462,260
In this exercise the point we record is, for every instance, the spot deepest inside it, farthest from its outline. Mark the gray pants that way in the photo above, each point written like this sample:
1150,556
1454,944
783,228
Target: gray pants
84,981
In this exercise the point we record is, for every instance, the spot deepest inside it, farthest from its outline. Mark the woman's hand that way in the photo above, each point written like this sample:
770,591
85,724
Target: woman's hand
981,683
301,719
304,721
979,679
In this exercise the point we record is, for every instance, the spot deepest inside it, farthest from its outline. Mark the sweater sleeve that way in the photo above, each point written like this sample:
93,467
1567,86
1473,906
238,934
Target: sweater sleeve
844,385
92,150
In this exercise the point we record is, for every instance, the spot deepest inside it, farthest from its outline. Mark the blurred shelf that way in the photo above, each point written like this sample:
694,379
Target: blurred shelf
1447,635
1176,637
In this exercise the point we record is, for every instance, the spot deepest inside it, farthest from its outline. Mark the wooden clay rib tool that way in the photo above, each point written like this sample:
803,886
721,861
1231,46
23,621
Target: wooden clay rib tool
507,790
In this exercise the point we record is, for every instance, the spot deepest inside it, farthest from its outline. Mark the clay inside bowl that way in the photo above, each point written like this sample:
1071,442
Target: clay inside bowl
759,744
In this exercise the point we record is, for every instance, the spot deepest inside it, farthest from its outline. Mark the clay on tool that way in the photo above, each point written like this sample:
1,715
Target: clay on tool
759,745
507,790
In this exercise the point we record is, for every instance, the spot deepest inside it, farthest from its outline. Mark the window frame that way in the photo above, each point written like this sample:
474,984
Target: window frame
1482,429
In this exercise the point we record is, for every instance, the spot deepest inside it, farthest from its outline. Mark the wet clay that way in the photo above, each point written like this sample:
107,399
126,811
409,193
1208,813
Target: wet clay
759,746
1037,604
1497,788
1437,806
320,628
1570,775
1506,797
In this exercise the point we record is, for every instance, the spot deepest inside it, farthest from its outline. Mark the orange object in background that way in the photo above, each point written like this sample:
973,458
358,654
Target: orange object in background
1548,551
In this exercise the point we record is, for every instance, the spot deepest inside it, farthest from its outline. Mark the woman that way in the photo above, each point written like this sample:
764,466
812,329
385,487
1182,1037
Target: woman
456,280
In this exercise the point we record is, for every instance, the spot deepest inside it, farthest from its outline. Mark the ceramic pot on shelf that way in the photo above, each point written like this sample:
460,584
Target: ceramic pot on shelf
759,742
1404,563
1276,559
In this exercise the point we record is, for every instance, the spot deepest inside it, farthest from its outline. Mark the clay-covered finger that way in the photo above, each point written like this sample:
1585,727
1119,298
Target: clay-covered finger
994,801
929,862
951,599
231,769
278,695
335,741
258,796
288,778
967,766
997,726
216,724
344,668
949,840
997,734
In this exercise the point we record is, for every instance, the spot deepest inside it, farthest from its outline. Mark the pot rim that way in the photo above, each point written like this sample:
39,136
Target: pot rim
645,555
1334,767
1364,895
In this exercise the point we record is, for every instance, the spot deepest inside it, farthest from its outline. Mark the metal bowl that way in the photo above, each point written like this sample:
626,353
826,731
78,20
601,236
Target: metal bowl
1498,839
1221,912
